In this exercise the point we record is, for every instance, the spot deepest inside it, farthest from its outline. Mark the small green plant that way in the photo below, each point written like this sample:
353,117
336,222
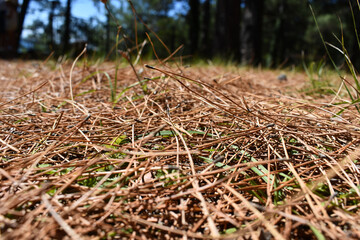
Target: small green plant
230,230
113,87
315,72
352,89
124,54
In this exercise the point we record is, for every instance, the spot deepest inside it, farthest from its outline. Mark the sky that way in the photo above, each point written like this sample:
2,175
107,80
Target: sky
80,9
85,9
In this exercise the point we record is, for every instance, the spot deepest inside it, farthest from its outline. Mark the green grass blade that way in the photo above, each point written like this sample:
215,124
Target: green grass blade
317,233
324,43
354,22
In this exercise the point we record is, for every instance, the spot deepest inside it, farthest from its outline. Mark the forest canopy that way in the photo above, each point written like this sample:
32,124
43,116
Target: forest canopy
272,33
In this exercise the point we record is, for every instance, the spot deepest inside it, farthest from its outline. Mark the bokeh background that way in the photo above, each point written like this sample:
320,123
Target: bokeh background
271,33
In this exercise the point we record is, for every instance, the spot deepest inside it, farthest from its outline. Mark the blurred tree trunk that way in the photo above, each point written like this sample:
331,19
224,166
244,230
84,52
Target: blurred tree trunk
355,53
220,26
205,47
172,37
50,29
66,35
194,25
23,11
251,44
278,51
227,29
107,42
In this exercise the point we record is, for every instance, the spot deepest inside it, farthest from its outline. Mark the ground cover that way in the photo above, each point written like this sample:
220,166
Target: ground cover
188,152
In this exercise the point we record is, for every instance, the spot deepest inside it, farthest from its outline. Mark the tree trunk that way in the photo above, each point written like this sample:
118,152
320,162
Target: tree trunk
51,24
205,38
220,27
233,31
66,35
50,30
278,52
194,23
107,42
227,29
251,44
23,11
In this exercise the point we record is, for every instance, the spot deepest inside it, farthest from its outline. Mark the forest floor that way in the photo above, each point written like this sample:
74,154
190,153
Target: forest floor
189,153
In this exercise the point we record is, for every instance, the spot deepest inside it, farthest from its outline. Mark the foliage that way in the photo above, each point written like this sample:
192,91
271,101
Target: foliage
288,29
352,88
319,82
